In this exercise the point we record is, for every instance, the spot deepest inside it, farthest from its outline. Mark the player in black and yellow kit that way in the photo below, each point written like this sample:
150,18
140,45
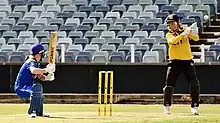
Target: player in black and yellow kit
180,61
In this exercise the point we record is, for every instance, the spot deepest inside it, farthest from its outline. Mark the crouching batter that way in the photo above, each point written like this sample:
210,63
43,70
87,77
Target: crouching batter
25,85
180,57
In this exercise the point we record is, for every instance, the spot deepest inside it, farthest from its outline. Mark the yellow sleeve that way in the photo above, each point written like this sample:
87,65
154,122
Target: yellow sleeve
194,37
171,39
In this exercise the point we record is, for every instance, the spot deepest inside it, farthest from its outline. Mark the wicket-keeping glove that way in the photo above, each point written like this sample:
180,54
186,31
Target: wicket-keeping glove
50,77
50,68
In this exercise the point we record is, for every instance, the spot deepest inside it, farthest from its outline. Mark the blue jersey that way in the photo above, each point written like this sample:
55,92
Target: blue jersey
25,77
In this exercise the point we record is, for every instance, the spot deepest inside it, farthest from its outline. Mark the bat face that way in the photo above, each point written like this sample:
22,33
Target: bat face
52,48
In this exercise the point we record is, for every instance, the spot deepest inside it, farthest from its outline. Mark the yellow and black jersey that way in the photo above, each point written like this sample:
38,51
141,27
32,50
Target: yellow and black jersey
179,47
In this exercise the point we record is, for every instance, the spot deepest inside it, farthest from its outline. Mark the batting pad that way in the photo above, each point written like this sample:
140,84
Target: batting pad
36,98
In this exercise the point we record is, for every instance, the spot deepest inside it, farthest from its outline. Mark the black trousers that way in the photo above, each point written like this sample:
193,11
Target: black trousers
175,68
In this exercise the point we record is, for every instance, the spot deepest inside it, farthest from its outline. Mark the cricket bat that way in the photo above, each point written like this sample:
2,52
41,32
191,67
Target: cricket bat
52,48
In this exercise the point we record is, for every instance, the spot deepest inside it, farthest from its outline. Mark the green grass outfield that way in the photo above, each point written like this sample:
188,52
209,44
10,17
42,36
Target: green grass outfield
86,113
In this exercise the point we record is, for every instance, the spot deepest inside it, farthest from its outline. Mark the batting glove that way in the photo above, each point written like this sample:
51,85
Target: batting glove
50,68
50,77
186,32
194,29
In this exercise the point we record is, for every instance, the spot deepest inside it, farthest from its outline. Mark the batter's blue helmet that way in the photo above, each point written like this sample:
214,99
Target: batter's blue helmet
37,49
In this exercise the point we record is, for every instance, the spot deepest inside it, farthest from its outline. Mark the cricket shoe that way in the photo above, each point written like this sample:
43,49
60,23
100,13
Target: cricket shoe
33,115
195,110
44,115
167,110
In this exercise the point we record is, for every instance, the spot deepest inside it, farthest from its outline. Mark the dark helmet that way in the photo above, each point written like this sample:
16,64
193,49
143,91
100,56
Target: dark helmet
172,17
37,49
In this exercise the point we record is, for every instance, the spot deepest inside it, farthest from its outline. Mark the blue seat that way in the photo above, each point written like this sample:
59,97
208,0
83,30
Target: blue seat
162,15
215,48
210,56
117,57
137,56
70,56
169,8
188,21
148,28
83,57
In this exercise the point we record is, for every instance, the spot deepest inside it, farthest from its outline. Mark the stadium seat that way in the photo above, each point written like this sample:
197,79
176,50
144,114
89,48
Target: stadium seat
65,41
31,15
105,21
115,41
117,57
129,15
47,3
70,9
50,28
6,9
9,22
9,34
54,9
89,21
135,8
8,48
112,15
162,15
185,8
141,35
17,57
91,34
30,41
75,48
42,34
47,15
38,9
19,28
13,15
138,21
215,48
45,41
188,21
96,15
86,9
84,28
130,41
4,2
147,15
64,15
83,57
95,3
91,48
149,41
156,34
14,41
205,9
151,57
34,2
103,9
155,21
25,34
24,48
56,21
4,56
162,27
107,35
161,3
116,28
108,48
124,48
122,21
177,3
81,41
144,3
152,8
99,28
65,2
137,56
75,34
162,50
148,28
132,28
98,41
80,15
35,28
124,34
210,56
142,48
213,6
70,57
119,8
100,57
